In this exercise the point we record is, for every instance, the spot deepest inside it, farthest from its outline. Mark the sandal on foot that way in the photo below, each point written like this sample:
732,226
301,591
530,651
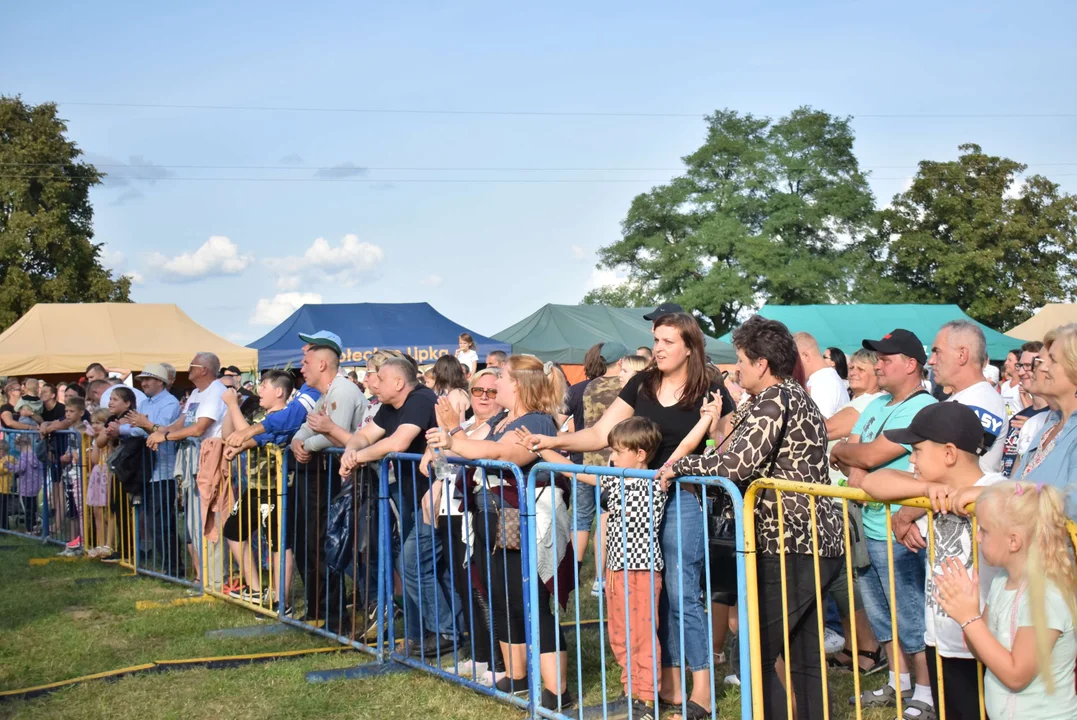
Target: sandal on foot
879,662
927,712
887,698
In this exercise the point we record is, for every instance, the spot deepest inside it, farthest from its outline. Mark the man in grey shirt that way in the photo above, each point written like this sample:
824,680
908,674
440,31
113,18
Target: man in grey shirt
335,417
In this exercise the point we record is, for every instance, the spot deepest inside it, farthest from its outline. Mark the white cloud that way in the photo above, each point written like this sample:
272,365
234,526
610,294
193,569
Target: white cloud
579,253
322,262
272,311
217,256
136,277
432,280
602,276
111,260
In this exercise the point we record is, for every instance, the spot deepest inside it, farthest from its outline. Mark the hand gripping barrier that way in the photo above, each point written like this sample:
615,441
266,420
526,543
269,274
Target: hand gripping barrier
672,609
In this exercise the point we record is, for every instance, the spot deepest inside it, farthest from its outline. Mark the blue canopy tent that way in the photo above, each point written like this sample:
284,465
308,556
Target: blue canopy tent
416,329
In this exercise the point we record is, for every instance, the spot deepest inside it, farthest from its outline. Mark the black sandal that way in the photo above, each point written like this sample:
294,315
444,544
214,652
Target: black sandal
692,710
879,661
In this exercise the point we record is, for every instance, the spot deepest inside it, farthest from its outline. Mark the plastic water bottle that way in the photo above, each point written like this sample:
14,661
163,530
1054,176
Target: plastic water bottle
442,468
711,444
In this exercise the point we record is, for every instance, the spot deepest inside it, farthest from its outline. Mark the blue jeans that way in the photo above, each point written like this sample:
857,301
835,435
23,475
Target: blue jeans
909,579
418,562
680,599
583,507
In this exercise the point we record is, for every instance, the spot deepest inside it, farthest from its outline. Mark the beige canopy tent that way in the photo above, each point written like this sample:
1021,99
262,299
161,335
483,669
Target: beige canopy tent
1048,318
57,338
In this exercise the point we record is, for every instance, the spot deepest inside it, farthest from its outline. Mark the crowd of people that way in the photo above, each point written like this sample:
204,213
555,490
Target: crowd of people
892,419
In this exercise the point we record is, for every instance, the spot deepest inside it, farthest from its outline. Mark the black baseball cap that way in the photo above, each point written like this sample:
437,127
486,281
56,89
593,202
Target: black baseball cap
663,309
944,423
899,342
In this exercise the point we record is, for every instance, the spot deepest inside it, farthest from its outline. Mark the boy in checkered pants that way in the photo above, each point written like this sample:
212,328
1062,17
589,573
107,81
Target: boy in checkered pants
634,559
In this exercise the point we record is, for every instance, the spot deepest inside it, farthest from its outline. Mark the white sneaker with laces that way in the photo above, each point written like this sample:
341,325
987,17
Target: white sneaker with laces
597,587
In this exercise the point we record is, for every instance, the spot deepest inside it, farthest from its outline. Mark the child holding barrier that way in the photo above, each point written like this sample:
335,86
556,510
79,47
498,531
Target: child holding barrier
947,440
30,474
97,488
1024,635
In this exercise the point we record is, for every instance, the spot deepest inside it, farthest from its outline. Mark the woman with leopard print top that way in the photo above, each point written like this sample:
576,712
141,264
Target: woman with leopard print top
780,433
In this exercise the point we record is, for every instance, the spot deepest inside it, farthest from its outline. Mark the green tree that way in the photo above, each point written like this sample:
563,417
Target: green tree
765,211
46,221
967,232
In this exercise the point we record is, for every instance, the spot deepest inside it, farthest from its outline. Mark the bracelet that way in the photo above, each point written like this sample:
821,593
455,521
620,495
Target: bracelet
970,621
455,430
166,436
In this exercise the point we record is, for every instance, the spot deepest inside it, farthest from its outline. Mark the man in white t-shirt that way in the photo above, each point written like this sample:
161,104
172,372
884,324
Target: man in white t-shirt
1010,388
824,384
203,417
958,356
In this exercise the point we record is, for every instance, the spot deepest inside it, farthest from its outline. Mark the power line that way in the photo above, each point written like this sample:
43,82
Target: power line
534,113
461,181
366,168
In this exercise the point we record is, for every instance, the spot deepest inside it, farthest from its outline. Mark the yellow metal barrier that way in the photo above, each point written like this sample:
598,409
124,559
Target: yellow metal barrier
813,491
251,529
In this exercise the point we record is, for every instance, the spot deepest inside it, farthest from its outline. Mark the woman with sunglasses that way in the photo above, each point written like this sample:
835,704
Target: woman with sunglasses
455,513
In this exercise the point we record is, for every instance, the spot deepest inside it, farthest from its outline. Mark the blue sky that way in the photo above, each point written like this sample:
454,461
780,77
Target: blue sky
233,237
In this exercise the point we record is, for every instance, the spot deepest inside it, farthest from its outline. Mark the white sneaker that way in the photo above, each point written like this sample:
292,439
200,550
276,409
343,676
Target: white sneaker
832,642
731,680
469,668
70,552
597,588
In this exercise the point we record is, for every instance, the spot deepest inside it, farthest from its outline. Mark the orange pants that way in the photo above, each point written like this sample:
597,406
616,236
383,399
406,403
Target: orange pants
632,621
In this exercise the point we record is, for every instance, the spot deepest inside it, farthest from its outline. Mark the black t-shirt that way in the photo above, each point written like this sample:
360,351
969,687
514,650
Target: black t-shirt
8,407
418,410
676,422
54,415
574,406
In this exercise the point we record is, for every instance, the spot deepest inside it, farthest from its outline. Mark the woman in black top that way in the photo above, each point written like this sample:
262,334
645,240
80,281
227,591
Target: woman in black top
10,421
672,393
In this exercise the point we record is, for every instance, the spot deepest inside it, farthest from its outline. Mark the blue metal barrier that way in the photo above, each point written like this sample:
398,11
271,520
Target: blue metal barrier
708,490
42,485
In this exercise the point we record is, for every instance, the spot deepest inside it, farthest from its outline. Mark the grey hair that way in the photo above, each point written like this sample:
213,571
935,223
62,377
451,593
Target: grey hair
404,368
171,371
865,356
973,335
211,362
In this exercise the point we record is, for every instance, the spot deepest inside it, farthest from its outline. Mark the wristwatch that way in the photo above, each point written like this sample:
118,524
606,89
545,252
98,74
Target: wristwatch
154,428
458,428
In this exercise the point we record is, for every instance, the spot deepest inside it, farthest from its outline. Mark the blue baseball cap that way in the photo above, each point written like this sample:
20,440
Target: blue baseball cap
323,338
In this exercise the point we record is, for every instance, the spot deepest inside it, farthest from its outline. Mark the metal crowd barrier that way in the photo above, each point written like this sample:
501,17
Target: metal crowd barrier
42,485
845,495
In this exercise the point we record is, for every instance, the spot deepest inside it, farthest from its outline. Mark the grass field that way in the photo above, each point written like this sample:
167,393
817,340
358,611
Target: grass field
54,628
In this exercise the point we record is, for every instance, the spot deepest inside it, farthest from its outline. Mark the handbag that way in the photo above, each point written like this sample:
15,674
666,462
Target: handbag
507,535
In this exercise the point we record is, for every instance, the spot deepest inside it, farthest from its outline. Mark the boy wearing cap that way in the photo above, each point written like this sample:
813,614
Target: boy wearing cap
947,442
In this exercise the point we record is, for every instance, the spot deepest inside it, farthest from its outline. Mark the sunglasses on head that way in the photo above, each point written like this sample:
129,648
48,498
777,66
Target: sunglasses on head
490,393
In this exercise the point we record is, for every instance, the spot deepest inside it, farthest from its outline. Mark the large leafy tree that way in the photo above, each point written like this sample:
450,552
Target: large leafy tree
765,211
47,253
969,232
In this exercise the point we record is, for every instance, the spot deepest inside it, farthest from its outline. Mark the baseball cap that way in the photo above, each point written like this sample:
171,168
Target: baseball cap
663,309
948,422
231,369
899,342
155,370
323,338
613,351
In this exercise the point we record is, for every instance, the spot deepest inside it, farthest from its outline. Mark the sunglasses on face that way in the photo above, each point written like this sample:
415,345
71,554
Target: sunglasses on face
490,393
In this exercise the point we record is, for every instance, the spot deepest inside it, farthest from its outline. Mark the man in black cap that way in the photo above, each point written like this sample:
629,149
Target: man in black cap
948,441
663,309
230,376
899,369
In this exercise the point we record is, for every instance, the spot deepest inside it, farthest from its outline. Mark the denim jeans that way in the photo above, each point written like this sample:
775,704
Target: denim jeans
680,600
909,578
419,564
583,507
167,552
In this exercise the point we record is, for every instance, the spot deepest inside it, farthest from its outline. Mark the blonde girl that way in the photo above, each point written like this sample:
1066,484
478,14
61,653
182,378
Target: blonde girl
630,366
97,487
1024,635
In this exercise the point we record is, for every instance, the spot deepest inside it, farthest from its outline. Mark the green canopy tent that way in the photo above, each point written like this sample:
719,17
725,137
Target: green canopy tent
846,326
563,333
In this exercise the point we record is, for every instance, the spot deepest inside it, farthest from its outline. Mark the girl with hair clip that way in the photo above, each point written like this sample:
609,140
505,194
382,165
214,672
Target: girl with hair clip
1025,633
